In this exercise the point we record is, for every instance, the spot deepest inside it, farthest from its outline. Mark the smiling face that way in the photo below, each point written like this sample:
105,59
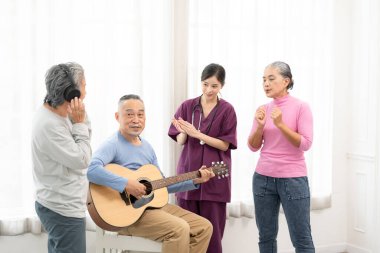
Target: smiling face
131,118
210,88
274,84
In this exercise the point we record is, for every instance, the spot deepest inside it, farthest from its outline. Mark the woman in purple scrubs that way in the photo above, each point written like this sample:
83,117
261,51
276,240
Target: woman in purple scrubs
206,127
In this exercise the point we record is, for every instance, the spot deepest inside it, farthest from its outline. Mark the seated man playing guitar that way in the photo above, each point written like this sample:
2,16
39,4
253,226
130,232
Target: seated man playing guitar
114,197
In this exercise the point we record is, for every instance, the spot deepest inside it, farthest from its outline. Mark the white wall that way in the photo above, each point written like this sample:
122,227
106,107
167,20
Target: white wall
363,147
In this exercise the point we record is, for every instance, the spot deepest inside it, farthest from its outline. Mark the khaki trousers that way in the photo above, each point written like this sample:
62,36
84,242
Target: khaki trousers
178,229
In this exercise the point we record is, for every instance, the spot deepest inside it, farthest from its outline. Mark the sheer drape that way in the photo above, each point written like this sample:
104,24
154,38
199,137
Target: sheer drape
124,46
244,36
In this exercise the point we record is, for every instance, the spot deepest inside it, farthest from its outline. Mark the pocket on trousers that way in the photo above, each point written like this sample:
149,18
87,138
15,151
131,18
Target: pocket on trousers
297,188
260,184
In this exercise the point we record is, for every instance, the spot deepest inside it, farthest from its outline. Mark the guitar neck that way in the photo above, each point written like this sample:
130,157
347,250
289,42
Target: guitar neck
164,182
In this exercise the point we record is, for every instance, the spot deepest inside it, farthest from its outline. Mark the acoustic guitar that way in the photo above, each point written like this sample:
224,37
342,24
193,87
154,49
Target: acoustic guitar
112,210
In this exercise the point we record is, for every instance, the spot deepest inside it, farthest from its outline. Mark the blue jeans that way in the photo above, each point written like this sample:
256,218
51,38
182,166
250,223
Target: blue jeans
65,234
294,196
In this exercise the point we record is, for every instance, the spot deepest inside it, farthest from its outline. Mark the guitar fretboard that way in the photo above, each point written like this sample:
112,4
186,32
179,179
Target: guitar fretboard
161,183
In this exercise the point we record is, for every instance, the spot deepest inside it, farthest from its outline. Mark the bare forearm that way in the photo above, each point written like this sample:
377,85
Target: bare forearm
181,138
256,139
293,137
213,142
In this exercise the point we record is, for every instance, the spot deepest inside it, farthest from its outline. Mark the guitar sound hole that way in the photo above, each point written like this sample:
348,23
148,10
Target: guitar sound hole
148,186
137,203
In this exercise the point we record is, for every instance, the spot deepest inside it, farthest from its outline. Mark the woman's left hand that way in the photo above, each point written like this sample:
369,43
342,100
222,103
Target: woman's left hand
276,116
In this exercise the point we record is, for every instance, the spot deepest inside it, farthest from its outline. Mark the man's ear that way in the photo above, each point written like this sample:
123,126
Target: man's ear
117,116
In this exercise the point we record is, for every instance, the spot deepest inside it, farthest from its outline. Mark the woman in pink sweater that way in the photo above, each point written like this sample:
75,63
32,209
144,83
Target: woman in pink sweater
283,130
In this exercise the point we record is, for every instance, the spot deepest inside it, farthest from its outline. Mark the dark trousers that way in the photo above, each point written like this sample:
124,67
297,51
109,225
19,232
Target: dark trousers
294,196
65,234
215,212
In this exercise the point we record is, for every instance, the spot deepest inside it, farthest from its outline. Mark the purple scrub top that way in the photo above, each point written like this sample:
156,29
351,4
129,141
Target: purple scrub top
221,124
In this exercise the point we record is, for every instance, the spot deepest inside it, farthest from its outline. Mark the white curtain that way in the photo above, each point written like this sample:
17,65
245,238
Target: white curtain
244,36
124,46
157,49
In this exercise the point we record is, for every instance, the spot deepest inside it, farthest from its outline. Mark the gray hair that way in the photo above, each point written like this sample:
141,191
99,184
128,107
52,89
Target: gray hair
57,81
284,70
128,97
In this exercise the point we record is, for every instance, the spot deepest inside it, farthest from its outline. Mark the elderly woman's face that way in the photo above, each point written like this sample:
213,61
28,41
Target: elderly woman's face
274,84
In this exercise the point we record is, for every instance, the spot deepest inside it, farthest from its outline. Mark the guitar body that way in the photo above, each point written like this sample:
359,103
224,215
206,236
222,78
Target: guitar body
114,211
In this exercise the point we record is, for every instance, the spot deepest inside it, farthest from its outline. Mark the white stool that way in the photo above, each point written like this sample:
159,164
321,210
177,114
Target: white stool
107,242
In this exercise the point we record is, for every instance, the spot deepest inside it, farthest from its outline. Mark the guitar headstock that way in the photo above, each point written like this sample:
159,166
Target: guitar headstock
220,169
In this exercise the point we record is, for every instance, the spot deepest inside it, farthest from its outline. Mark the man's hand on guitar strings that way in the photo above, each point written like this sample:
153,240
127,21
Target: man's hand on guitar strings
206,174
135,188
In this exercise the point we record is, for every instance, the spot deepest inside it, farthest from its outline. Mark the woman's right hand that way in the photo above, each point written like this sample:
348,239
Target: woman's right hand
260,116
177,126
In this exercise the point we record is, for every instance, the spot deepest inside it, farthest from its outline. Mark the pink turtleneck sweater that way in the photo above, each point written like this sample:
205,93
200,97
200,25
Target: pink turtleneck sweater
278,157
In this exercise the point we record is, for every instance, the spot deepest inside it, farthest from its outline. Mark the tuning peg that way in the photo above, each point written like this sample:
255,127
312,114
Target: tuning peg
212,163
